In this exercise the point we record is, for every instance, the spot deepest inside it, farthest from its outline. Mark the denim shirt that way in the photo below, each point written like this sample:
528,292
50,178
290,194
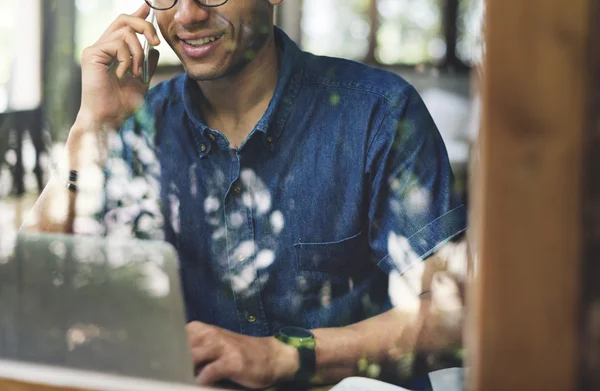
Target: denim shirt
344,179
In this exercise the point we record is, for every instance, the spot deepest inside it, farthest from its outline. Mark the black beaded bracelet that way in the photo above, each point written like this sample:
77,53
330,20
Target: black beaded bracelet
73,175
72,187
70,181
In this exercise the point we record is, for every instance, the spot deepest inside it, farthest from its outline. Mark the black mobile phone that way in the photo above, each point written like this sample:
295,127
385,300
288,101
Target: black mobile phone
147,46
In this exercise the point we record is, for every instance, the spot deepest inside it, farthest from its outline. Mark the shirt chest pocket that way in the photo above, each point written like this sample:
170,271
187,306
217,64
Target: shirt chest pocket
340,257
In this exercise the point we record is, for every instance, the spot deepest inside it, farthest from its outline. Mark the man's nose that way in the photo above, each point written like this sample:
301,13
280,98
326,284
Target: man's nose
190,12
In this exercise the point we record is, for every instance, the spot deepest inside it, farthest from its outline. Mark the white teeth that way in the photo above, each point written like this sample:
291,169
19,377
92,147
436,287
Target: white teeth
200,42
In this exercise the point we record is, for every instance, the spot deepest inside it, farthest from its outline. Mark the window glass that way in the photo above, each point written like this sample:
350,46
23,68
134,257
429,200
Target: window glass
99,303
20,74
470,33
336,28
410,32
7,24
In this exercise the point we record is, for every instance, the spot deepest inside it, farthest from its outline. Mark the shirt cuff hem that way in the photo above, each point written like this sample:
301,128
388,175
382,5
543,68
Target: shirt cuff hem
427,240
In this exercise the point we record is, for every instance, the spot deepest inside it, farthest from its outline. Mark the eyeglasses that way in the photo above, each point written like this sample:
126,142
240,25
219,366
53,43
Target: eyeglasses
163,5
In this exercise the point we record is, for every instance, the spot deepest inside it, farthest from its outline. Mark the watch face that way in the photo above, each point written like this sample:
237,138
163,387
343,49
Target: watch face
296,332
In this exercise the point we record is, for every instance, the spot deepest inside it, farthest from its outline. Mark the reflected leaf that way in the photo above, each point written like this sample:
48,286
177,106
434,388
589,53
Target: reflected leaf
264,259
211,204
335,99
156,281
58,248
401,252
277,222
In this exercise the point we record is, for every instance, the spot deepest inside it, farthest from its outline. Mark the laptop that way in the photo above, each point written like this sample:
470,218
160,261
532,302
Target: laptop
100,304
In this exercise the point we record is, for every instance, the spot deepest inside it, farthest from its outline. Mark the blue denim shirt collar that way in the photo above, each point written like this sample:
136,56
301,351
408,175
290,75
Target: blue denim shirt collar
273,121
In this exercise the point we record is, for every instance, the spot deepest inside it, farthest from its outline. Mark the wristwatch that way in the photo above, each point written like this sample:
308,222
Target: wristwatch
304,341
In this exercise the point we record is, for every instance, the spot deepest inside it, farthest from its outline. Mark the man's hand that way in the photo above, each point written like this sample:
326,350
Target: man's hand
112,71
249,361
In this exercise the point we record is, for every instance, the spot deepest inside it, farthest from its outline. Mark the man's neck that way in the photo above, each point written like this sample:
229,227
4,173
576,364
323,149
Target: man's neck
234,104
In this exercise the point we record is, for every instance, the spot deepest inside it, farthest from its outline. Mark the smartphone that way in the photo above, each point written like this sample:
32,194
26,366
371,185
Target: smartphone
147,48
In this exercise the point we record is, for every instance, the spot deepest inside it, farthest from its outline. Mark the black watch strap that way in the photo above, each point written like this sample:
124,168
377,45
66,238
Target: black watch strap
308,364
304,341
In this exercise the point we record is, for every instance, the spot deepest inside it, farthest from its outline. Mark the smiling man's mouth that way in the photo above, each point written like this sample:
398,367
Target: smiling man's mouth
203,41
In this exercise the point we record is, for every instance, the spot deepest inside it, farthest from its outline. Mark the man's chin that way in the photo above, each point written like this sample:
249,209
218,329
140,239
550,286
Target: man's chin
205,72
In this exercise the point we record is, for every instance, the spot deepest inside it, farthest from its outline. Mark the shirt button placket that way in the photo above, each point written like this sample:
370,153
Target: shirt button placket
237,190
249,305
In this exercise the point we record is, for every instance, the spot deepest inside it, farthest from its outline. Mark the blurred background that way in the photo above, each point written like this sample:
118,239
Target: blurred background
434,44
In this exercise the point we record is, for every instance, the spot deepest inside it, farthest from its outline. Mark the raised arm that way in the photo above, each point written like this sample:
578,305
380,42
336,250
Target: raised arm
112,92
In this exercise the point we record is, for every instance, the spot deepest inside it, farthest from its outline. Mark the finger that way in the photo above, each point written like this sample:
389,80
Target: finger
107,54
197,332
138,25
128,34
193,326
212,373
116,50
143,11
137,54
205,354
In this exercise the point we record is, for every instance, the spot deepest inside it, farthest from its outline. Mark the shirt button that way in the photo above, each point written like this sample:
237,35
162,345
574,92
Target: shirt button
203,147
211,137
251,318
241,258
237,190
270,140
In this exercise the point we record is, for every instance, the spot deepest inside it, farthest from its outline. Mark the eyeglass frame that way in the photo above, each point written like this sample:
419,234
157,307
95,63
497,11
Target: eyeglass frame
200,2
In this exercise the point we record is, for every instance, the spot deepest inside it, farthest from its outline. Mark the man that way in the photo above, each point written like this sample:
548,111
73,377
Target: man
291,185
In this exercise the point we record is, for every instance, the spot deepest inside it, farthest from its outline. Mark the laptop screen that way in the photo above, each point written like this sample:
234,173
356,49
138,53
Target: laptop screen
100,304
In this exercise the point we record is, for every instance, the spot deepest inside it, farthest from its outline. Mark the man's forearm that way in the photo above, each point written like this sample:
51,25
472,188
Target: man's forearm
367,347
385,344
55,209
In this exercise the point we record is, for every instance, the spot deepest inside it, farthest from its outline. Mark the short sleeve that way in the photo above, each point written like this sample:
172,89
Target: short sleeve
413,207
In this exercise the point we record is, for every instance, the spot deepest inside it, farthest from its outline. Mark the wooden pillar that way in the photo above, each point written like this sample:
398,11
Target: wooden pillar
536,94
590,344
